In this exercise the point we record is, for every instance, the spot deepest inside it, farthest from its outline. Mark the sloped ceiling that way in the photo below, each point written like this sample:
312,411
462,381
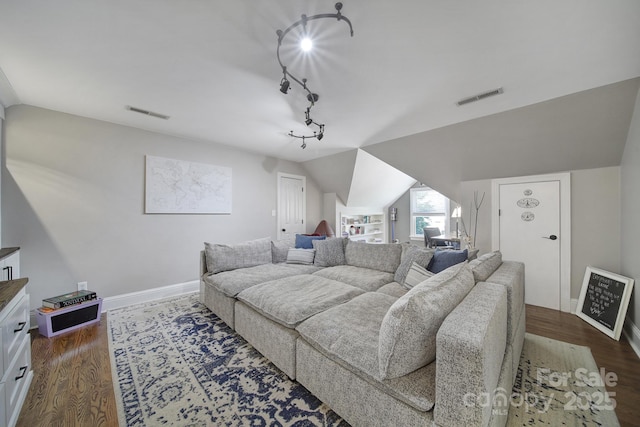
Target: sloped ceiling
359,179
211,65
579,131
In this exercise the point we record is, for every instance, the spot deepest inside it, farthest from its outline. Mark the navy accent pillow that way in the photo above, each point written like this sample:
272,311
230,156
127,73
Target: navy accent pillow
444,259
306,242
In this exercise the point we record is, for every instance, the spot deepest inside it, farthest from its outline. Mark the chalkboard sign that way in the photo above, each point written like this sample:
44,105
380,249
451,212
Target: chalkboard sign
604,300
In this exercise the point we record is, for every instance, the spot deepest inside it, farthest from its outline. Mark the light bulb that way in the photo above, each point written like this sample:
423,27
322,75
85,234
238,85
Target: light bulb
306,44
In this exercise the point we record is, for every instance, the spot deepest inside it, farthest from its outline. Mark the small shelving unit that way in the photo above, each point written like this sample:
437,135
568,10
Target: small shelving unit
366,227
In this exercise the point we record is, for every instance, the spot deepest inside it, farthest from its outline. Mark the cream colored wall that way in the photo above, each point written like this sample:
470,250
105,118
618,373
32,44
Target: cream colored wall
73,199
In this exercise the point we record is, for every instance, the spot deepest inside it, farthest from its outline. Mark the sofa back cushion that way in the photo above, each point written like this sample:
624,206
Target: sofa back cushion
280,250
329,252
381,257
408,332
230,257
485,265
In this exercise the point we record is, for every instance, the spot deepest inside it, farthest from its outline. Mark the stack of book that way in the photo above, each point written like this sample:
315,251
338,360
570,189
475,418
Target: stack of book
65,300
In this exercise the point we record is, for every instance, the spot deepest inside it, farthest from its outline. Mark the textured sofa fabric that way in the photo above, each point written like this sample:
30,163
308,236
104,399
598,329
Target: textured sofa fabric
323,326
240,255
330,252
363,278
291,300
485,265
385,257
410,254
408,330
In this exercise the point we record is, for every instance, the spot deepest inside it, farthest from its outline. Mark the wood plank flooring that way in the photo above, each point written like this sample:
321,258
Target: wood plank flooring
72,383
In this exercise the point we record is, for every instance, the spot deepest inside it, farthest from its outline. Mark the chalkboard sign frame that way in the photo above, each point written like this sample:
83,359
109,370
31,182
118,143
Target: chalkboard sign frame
601,279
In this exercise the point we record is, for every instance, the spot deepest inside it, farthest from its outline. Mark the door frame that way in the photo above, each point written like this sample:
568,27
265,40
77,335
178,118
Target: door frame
565,225
279,196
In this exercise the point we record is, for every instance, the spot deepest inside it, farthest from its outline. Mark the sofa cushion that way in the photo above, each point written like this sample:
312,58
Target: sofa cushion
393,289
230,257
280,249
291,300
408,330
329,252
411,254
348,334
232,282
300,256
445,259
306,242
382,257
485,265
417,274
364,278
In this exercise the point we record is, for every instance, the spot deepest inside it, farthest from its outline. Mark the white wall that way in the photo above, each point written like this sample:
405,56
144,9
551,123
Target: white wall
630,223
73,200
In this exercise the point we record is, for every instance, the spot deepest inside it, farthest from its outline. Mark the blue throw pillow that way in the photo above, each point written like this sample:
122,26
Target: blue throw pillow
444,259
306,242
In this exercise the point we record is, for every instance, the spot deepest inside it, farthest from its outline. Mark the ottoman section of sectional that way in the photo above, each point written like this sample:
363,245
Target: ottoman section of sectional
220,289
266,314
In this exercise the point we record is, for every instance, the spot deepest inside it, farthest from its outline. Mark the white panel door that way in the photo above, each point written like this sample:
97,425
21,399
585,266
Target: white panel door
291,205
530,232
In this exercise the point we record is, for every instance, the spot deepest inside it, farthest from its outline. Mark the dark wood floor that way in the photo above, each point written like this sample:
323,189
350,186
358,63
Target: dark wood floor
72,373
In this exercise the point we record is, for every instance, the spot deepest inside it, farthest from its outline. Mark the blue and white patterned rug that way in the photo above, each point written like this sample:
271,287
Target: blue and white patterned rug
176,363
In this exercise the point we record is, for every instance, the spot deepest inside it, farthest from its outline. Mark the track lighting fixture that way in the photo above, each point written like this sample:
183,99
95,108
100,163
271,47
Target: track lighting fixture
286,75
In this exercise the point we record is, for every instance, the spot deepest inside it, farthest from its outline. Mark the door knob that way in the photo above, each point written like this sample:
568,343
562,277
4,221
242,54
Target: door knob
552,237
283,230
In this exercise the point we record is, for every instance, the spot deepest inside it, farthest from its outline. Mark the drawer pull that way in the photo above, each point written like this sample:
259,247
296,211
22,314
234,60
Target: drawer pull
23,372
22,325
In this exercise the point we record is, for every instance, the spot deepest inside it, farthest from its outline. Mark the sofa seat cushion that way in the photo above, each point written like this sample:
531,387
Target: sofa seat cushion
408,331
292,300
393,289
348,334
364,278
383,257
231,283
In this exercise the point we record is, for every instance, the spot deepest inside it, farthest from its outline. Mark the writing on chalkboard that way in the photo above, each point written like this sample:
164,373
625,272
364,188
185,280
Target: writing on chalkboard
604,300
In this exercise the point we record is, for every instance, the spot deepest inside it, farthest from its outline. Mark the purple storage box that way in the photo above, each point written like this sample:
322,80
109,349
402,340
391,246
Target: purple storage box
69,318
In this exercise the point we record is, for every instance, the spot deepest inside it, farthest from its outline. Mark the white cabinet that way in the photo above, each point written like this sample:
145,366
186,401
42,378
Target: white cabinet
15,371
10,265
365,227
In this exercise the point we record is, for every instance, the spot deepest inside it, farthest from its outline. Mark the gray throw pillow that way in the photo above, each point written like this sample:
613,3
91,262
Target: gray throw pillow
410,254
300,256
329,252
408,331
230,257
416,275
280,249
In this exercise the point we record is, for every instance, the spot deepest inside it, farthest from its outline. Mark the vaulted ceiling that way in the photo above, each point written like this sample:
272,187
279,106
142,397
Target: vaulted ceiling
211,66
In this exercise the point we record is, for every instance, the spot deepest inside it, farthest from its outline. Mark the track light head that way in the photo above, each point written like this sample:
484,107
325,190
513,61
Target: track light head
284,86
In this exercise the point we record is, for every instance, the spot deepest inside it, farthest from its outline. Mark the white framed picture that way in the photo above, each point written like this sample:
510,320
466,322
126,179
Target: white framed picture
604,299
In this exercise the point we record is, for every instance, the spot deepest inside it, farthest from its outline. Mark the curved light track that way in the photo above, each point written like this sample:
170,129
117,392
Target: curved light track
287,76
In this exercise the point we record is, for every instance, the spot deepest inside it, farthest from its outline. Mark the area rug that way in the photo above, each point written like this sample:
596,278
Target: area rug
175,363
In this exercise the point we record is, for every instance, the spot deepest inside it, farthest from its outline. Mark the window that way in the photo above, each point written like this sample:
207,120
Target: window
428,209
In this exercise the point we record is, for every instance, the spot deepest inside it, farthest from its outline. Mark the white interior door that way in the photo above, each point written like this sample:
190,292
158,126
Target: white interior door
291,205
529,216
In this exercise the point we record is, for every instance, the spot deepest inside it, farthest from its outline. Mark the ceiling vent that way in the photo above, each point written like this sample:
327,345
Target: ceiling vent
480,96
147,112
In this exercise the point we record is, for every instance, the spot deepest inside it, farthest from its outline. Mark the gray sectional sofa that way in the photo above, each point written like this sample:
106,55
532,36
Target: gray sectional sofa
372,333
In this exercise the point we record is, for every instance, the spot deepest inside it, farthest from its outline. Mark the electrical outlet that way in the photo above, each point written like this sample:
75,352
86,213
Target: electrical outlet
82,286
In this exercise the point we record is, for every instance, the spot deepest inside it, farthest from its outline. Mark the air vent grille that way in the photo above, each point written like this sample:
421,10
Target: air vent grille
480,96
147,112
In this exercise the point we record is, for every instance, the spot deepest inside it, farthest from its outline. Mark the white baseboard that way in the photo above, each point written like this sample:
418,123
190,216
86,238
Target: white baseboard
118,301
632,333
574,305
